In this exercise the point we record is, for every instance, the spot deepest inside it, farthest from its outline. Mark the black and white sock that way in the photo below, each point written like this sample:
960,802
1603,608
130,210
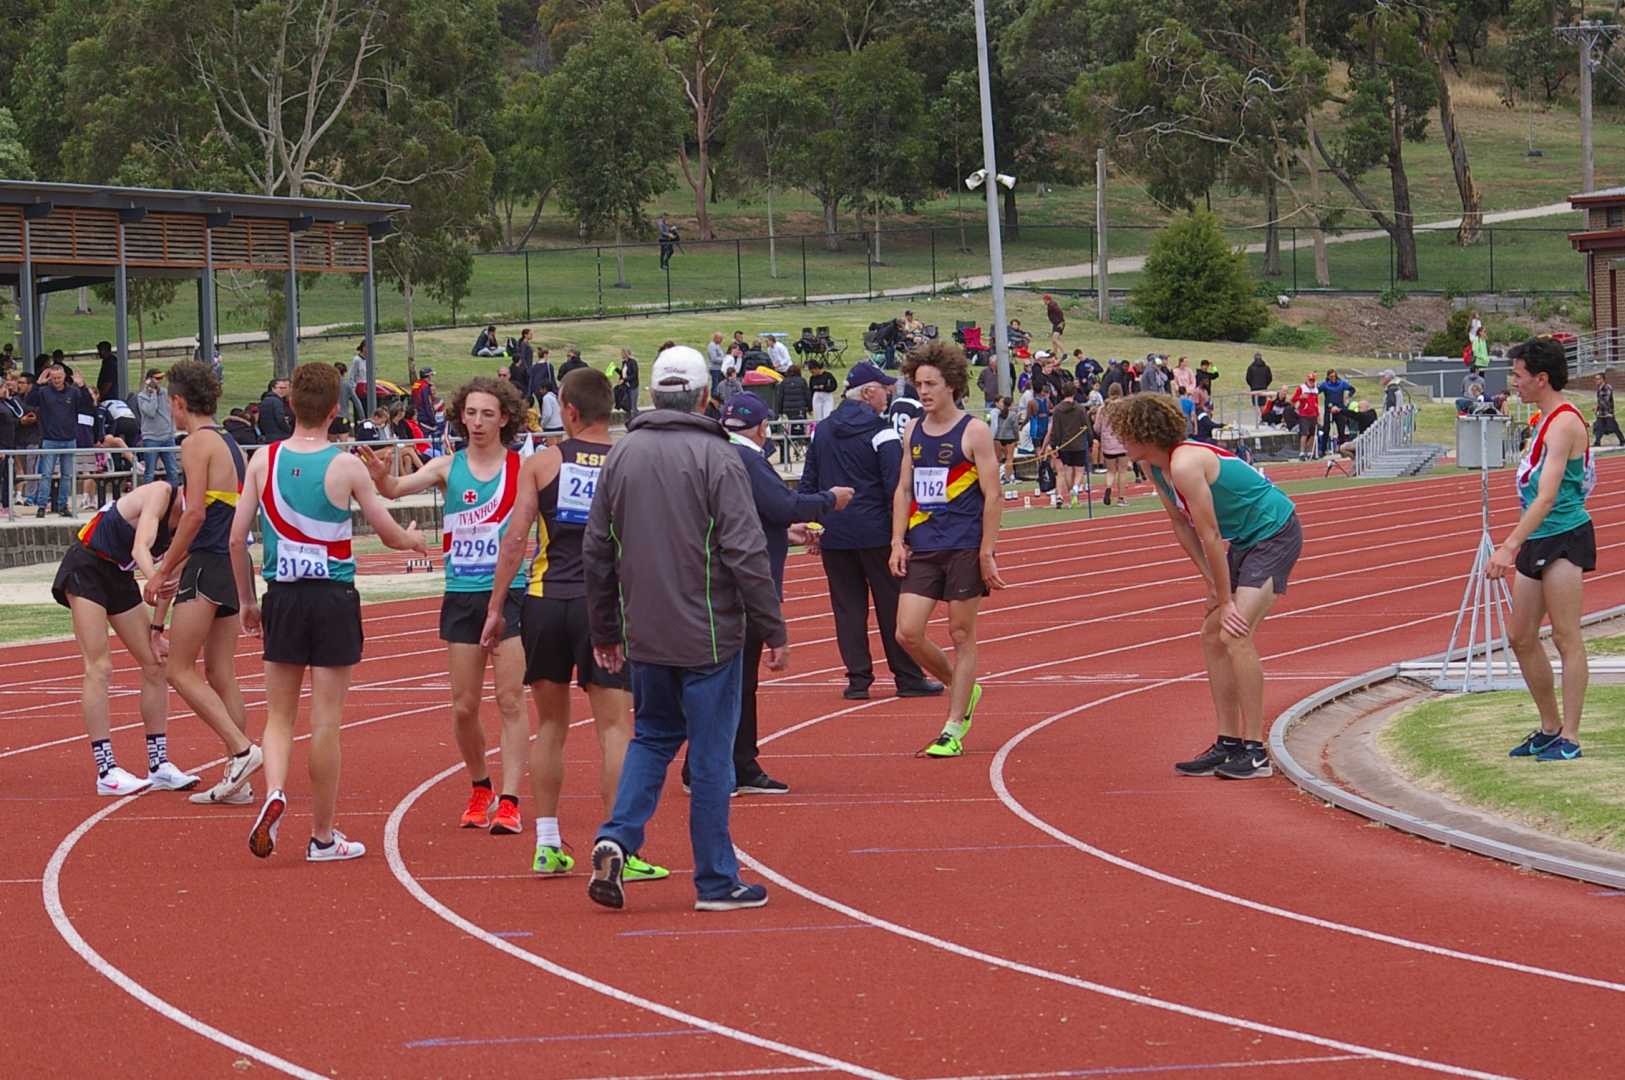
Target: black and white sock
103,749
157,751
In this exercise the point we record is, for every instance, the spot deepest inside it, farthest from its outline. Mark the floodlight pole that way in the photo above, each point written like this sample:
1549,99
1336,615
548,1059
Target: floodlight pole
995,244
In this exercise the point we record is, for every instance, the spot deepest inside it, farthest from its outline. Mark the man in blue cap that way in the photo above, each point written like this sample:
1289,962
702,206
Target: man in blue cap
746,419
857,447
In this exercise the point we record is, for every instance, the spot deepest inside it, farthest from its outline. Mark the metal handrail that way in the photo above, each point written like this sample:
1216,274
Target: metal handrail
1394,429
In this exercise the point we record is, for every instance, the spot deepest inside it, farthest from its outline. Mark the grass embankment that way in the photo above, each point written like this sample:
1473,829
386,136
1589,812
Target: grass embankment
1459,745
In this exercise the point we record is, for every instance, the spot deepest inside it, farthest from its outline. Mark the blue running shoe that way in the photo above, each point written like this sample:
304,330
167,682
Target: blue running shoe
1559,749
1533,743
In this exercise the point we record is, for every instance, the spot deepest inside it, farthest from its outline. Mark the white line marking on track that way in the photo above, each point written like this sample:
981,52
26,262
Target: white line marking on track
1147,1070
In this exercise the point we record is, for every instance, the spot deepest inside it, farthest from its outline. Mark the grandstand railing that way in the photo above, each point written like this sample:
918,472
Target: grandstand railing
1395,429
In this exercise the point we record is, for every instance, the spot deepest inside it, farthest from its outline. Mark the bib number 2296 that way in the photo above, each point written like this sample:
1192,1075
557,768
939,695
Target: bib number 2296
474,550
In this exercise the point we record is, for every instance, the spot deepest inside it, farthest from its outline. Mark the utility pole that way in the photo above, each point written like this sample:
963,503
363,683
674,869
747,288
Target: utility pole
1588,33
995,246
1103,299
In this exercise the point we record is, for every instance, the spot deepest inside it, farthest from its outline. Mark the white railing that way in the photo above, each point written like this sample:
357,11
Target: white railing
1394,429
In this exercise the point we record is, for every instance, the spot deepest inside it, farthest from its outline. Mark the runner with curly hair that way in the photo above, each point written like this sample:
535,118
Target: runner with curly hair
1213,497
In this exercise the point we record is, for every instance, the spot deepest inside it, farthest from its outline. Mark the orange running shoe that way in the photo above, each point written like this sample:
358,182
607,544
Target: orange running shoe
506,822
478,814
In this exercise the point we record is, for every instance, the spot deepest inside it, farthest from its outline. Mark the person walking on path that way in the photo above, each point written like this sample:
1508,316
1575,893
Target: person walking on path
1605,423
858,448
1057,322
1212,498
676,567
945,523
1550,549
297,496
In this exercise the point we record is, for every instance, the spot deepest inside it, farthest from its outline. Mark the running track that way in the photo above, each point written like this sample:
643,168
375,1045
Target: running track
1056,903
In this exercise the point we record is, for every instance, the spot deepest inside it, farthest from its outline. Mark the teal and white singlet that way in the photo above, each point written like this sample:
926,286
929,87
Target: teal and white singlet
306,537
477,516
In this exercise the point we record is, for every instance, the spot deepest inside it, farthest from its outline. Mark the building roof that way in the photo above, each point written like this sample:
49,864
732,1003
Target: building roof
29,192
1593,198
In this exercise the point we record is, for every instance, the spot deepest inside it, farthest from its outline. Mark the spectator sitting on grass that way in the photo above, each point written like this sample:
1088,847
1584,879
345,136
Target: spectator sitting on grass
486,343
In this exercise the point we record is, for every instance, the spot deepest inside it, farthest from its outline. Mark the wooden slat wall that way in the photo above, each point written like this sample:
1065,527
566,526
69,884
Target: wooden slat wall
76,235
11,232
251,244
165,240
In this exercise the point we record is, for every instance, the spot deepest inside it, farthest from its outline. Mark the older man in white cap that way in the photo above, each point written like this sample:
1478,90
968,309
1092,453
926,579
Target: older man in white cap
677,567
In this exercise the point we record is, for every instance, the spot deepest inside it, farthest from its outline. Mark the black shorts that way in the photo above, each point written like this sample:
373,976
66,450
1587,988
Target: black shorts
462,616
91,577
1578,546
1115,457
312,623
1269,561
557,643
954,574
1007,442
1307,425
207,576
1074,459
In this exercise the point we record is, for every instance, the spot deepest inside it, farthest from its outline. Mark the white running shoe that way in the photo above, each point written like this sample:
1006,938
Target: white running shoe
117,782
217,796
342,848
239,769
262,837
167,777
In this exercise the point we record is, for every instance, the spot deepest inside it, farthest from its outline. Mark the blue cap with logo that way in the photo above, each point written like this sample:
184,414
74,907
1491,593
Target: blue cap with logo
865,372
744,411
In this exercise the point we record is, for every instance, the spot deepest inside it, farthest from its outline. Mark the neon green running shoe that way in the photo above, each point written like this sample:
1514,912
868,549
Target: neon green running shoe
638,870
946,745
550,860
970,707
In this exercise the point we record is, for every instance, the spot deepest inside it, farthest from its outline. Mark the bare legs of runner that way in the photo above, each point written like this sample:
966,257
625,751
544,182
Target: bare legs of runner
328,686
212,693
90,623
467,663
1555,593
1235,677
913,613
612,717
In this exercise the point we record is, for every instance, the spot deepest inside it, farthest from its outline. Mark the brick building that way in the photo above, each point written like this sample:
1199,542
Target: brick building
1603,245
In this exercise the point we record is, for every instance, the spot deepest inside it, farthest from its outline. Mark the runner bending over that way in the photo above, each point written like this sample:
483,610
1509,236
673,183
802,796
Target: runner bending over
1552,545
945,521
1212,497
205,621
96,582
556,487
301,488
482,486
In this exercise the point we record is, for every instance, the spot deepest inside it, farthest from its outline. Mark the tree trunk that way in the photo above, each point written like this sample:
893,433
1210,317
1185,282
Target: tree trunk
1472,203
620,260
141,332
1323,273
535,218
832,239
772,244
1404,231
1272,229
407,293
877,234
1012,222
959,212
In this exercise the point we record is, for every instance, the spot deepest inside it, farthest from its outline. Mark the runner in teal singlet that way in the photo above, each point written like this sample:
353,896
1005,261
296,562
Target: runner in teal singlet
300,490
481,484
1551,547
1214,498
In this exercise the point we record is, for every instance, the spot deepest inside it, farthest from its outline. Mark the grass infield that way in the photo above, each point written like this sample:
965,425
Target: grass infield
1458,745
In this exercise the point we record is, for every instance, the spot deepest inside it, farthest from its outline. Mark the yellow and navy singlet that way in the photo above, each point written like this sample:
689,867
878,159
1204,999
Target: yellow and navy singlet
219,507
562,506
306,537
108,536
947,510
477,516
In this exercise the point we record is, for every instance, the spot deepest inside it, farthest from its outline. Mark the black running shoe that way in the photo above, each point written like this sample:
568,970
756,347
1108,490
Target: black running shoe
929,688
761,784
1245,764
1204,763
856,692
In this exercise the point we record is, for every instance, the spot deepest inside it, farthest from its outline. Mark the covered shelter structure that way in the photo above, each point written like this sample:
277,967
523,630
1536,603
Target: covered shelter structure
1603,245
56,237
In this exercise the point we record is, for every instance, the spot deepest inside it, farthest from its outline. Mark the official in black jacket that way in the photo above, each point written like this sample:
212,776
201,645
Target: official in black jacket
857,447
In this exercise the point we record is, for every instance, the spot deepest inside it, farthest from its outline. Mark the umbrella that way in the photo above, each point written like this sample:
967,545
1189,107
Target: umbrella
385,389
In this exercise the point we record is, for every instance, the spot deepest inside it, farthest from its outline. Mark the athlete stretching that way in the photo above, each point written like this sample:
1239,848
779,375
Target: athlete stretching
1212,497
300,488
96,582
205,620
1552,545
482,486
945,522
556,487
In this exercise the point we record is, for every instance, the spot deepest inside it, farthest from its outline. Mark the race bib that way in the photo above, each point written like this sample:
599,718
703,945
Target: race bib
474,550
577,483
931,488
300,562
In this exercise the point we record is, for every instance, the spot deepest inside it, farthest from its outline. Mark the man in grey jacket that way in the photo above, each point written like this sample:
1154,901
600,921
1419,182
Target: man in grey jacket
151,407
676,565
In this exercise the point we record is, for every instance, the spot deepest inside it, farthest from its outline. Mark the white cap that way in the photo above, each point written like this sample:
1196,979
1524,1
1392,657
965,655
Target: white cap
679,368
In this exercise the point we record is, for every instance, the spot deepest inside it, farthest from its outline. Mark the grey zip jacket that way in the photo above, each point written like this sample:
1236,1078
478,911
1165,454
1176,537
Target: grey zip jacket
674,553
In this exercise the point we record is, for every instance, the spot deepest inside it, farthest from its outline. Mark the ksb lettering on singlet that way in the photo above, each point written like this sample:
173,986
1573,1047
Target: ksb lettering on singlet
474,550
300,562
930,488
577,484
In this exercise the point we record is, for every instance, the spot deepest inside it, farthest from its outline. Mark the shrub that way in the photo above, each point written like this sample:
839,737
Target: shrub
1195,287
1507,332
1453,338
1283,336
1390,298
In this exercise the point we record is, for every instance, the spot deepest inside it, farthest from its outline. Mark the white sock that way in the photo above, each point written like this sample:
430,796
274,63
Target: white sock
547,832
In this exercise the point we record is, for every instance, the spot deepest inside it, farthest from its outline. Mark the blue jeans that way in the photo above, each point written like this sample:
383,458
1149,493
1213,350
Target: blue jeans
670,705
57,465
152,452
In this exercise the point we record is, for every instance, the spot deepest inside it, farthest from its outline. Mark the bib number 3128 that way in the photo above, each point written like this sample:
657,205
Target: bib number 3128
300,562
474,550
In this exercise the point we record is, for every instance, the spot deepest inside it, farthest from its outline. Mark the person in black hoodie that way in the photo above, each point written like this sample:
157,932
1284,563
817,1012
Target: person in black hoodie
275,422
857,447
1259,376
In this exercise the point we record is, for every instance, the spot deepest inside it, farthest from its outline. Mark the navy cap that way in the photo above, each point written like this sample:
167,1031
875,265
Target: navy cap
744,411
865,372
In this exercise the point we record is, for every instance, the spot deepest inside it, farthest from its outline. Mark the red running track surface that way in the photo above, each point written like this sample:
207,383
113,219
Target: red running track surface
1055,903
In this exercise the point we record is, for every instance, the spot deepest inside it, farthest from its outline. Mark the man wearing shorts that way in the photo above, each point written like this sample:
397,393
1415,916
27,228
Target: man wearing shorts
556,487
1068,439
1552,545
300,488
945,521
96,582
1212,497
481,483
205,621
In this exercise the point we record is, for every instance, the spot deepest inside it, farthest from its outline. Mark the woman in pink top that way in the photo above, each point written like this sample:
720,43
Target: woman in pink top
1112,449
1185,375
